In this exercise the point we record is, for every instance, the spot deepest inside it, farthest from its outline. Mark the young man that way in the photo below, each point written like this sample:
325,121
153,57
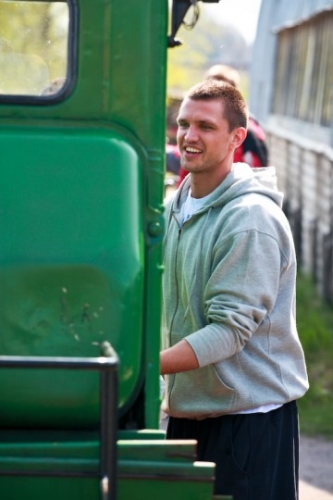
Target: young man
232,360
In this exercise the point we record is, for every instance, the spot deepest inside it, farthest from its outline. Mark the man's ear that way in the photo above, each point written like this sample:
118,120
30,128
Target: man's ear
239,135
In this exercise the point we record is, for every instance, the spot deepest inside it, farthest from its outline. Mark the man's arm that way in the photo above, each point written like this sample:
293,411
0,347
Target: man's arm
178,358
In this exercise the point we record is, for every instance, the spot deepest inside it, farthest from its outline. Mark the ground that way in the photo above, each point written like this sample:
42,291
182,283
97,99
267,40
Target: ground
316,469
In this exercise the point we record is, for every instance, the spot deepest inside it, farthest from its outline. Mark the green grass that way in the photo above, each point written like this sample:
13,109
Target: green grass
315,327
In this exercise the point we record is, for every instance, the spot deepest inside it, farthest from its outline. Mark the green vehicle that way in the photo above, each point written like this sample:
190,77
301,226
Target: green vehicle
82,107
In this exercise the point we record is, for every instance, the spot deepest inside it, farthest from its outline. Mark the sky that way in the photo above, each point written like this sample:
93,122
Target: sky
242,14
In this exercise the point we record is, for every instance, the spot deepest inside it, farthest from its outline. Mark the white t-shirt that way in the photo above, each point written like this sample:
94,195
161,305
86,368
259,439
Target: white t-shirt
191,206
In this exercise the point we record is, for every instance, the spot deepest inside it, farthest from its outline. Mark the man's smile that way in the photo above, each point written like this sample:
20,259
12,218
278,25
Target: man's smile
192,150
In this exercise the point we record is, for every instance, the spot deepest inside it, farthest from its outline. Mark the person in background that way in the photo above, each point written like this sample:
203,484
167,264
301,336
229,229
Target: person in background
253,150
172,158
171,147
231,357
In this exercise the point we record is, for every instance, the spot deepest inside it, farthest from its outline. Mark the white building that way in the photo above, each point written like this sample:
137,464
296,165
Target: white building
291,94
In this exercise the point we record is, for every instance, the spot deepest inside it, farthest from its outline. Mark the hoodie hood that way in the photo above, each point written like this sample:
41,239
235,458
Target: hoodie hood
241,180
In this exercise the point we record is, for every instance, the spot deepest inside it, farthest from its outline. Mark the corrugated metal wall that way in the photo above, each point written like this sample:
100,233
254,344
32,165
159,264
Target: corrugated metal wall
305,175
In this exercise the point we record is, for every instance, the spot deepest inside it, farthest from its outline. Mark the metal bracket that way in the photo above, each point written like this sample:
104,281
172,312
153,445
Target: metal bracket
107,365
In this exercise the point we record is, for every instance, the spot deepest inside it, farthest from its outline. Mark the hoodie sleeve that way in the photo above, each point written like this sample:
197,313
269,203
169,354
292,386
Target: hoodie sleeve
240,293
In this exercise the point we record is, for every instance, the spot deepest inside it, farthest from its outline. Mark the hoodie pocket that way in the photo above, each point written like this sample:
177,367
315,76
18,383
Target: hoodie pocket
200,394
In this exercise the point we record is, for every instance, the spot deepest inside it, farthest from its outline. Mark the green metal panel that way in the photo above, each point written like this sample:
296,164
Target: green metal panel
81,191
146,469
72,267
119,82
88,489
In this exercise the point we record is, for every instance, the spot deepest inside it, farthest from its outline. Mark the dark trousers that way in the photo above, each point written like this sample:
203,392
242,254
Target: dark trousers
256,454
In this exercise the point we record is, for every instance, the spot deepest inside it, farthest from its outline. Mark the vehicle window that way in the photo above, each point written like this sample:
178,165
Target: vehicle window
33,47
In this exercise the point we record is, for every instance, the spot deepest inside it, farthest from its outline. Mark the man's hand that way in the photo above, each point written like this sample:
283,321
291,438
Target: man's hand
178,358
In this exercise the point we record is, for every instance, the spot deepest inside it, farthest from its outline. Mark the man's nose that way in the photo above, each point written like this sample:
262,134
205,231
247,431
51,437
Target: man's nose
191,134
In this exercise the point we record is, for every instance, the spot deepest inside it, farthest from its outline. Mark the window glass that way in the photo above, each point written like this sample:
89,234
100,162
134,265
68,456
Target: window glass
304,71
33,47
328,81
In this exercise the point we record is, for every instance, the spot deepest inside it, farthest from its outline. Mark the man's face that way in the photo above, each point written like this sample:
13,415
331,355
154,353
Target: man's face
204,140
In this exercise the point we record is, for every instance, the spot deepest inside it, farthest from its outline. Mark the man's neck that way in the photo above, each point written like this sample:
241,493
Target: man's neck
203,183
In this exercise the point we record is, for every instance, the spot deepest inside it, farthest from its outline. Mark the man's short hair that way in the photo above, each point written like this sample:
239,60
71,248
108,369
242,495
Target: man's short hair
235,108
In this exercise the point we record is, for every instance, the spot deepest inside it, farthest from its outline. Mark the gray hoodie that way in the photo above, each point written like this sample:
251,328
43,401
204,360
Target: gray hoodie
229,290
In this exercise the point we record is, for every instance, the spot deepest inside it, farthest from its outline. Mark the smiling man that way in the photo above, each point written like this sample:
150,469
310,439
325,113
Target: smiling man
232,360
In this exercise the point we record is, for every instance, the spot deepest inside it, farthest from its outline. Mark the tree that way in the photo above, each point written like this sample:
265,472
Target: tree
209,43
33,45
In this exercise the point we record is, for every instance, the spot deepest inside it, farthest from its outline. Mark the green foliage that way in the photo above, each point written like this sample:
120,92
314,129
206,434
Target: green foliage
315,326
33,45
207,44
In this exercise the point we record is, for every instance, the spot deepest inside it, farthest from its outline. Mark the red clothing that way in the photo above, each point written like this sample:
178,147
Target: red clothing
181,176
248,157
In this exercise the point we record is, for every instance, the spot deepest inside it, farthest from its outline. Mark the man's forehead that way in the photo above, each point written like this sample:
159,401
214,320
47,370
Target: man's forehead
201,109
